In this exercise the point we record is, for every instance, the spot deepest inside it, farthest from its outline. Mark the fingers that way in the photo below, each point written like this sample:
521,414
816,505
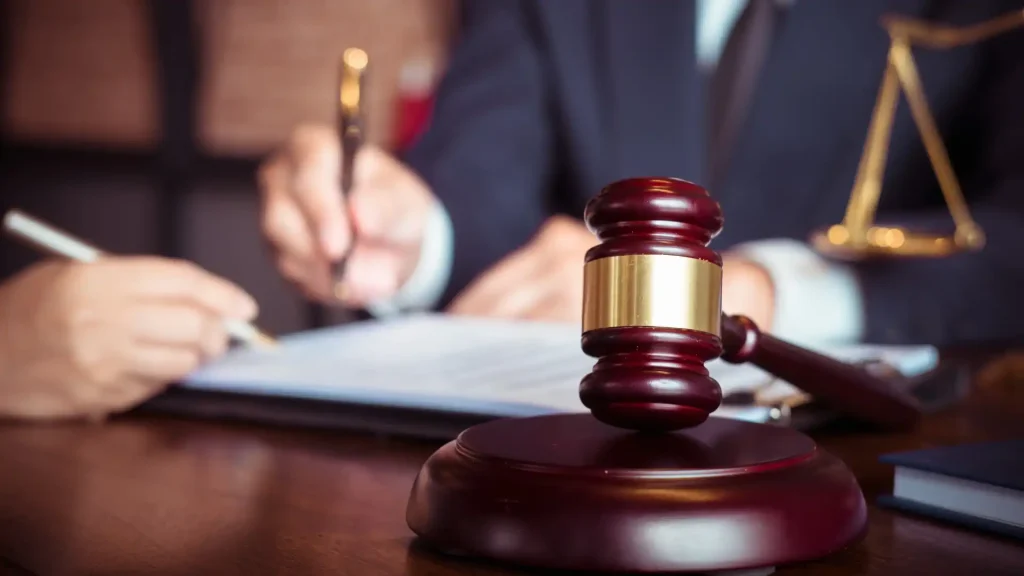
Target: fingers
163,364
390,208
169,340
552,308
179,326
389,204
371,274
163,279
313,278
514,284
314,158
298,258
291,235
283,222
303,215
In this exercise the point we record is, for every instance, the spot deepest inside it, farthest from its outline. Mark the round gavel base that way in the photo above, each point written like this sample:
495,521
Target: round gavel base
569,492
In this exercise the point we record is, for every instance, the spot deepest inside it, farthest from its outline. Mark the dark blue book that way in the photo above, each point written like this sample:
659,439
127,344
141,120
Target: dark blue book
977,486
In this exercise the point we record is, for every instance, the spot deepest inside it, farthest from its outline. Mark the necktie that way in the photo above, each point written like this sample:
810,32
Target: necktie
734,79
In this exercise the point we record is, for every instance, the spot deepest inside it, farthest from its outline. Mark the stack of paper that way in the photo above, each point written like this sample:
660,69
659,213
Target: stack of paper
465,365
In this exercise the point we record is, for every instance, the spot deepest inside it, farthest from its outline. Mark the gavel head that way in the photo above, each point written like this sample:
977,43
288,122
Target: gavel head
652,305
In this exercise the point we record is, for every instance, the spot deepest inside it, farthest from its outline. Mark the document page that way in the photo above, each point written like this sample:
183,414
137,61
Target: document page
454,364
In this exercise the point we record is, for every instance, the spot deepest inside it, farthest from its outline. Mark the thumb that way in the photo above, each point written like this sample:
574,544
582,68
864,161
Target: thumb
316,187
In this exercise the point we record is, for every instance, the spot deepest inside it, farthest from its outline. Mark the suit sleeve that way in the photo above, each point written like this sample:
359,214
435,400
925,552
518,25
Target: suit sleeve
487,152
971,298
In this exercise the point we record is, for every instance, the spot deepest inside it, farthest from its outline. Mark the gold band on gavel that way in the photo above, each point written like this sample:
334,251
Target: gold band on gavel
652,290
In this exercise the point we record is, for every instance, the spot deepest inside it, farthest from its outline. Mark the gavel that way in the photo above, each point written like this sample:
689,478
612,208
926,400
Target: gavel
649,480
652,317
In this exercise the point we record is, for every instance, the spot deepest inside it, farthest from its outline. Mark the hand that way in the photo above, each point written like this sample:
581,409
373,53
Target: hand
93,339
747,289
541,281
309,226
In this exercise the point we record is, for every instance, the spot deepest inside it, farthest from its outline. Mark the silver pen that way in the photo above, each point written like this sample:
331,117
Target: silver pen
49,239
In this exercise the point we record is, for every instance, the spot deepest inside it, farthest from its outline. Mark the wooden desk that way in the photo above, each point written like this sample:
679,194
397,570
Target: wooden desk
168,497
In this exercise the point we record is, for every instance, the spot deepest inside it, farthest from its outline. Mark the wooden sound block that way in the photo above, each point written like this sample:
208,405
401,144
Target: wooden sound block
570,492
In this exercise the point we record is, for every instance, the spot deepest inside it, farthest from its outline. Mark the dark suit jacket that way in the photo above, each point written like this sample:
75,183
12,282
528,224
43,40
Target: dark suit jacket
546,102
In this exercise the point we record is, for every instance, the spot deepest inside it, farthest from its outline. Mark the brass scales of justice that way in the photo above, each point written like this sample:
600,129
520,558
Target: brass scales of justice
858,236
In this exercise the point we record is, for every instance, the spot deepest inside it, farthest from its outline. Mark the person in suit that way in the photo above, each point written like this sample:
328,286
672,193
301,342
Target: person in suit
87,340
765,103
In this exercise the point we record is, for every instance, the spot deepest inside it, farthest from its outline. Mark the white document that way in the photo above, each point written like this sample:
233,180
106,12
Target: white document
465,365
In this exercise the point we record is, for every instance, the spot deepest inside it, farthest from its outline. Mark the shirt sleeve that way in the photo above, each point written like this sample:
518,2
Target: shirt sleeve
424,288
817,301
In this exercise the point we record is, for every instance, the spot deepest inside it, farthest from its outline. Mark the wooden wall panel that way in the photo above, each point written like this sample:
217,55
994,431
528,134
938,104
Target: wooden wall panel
84,71
80,71
272,64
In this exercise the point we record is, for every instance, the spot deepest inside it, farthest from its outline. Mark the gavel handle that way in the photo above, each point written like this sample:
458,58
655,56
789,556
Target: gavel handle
839,385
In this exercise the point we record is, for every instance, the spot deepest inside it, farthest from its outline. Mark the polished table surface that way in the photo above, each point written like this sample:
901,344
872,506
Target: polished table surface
148,495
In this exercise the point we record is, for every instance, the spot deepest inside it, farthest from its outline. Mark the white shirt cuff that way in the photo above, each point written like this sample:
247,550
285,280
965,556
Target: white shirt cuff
817,301
428,281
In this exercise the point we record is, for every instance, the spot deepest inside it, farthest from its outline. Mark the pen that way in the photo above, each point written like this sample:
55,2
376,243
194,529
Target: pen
51,240
351,130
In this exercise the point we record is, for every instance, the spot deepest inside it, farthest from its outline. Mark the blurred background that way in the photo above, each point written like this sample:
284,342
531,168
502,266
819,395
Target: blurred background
138,125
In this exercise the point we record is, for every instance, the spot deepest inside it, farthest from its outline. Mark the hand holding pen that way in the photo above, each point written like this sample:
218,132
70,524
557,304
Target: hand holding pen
88,334
345,219
50,240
